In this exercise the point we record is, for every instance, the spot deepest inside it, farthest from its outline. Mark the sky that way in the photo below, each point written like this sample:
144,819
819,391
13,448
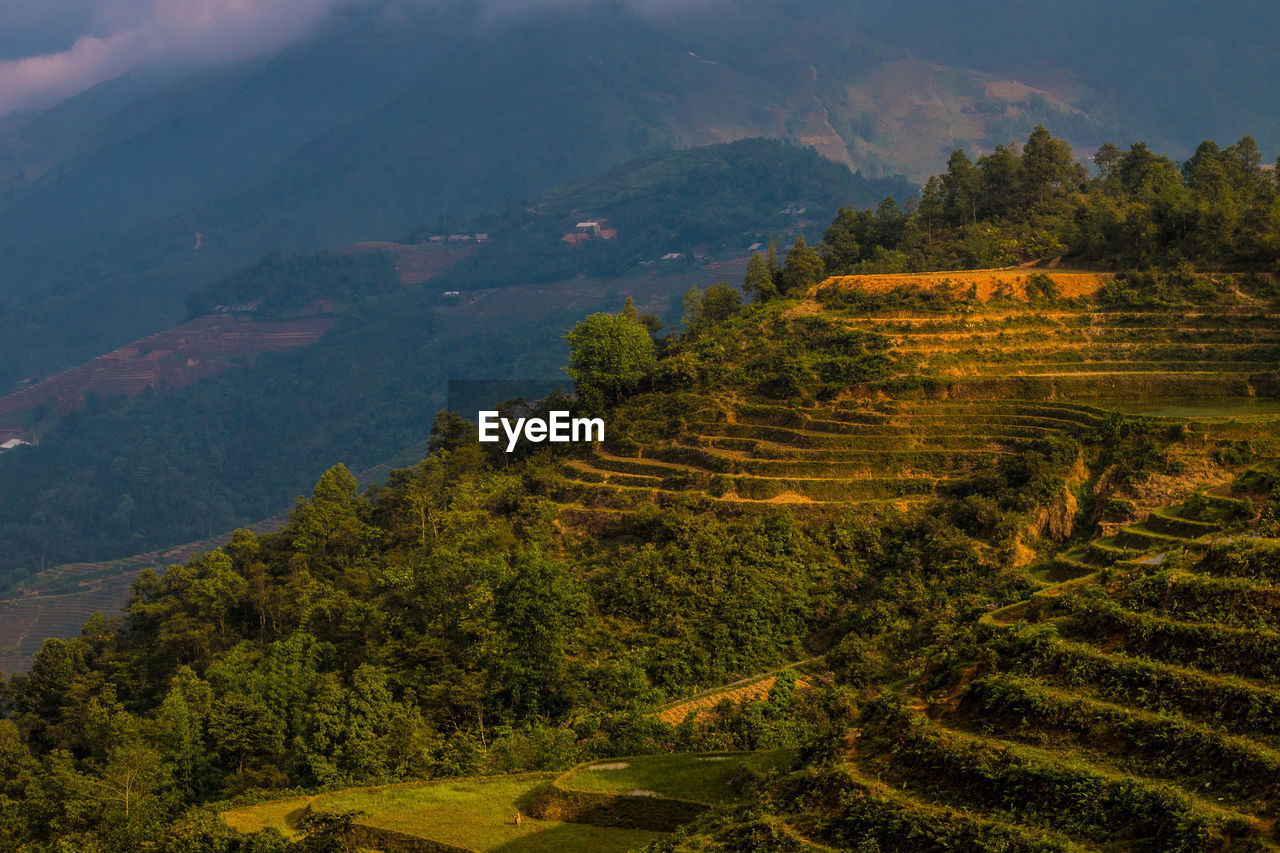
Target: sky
52,49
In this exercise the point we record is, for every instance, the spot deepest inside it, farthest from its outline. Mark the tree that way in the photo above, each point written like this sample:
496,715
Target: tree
758,284
844,244
539,609
1107,158
719,303
1141,169
131,775
933,207
450,431
771,263
692,309
1247,151
1000,174
802,269
183,718
704,310
889,224
609,356
649,321
1048,166
960,189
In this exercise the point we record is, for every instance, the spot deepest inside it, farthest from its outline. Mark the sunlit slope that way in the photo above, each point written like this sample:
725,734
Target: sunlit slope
610,805
1134,710
973,367
1133,702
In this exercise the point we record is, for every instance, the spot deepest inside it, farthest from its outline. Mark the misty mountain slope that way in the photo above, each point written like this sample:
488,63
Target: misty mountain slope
1171,73
390,116
213,133
122,476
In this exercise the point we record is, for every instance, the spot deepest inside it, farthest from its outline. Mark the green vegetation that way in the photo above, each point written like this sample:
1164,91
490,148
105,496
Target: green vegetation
687,203
129,476
609,355
472,815
1020,624
705,778
1141,211
277,286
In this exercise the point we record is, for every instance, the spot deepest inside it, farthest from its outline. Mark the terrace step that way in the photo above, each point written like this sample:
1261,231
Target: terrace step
1241,706
1042,786
1142,538
1207,646
1237,602
1107,368
1104,552
1165,521
1261,562
1080,349
955,438
1061,569
975,424
588,473
861,809
598,495
905,443
1189,755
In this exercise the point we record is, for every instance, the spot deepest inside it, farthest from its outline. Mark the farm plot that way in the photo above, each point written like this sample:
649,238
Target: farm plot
1132,711
466,814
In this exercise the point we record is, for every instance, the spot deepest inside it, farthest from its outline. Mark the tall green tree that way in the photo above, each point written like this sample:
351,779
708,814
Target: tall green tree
845,242
802,269
609,356
933,207
1000,181
960,189
759,285
706,309
1048,167
539,610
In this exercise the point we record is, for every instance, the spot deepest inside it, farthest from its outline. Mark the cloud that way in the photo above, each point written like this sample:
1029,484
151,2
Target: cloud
123,34
53,49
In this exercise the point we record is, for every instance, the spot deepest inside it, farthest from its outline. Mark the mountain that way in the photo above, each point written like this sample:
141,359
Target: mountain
300,361
389,117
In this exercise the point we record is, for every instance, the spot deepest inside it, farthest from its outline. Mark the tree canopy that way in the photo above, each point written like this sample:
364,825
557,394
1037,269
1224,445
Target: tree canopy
609,355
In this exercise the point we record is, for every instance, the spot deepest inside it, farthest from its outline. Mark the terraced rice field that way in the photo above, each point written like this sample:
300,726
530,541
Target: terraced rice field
970,386
1134,702
1150,346
701,778
418,262
888,454
753,689
1138,709
611,805
984,284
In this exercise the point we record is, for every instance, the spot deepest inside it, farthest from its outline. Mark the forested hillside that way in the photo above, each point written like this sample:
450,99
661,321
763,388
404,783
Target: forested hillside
127,476
967,559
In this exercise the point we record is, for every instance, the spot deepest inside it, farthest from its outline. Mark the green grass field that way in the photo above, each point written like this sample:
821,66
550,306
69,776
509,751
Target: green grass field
1197,409
701,778
478,814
